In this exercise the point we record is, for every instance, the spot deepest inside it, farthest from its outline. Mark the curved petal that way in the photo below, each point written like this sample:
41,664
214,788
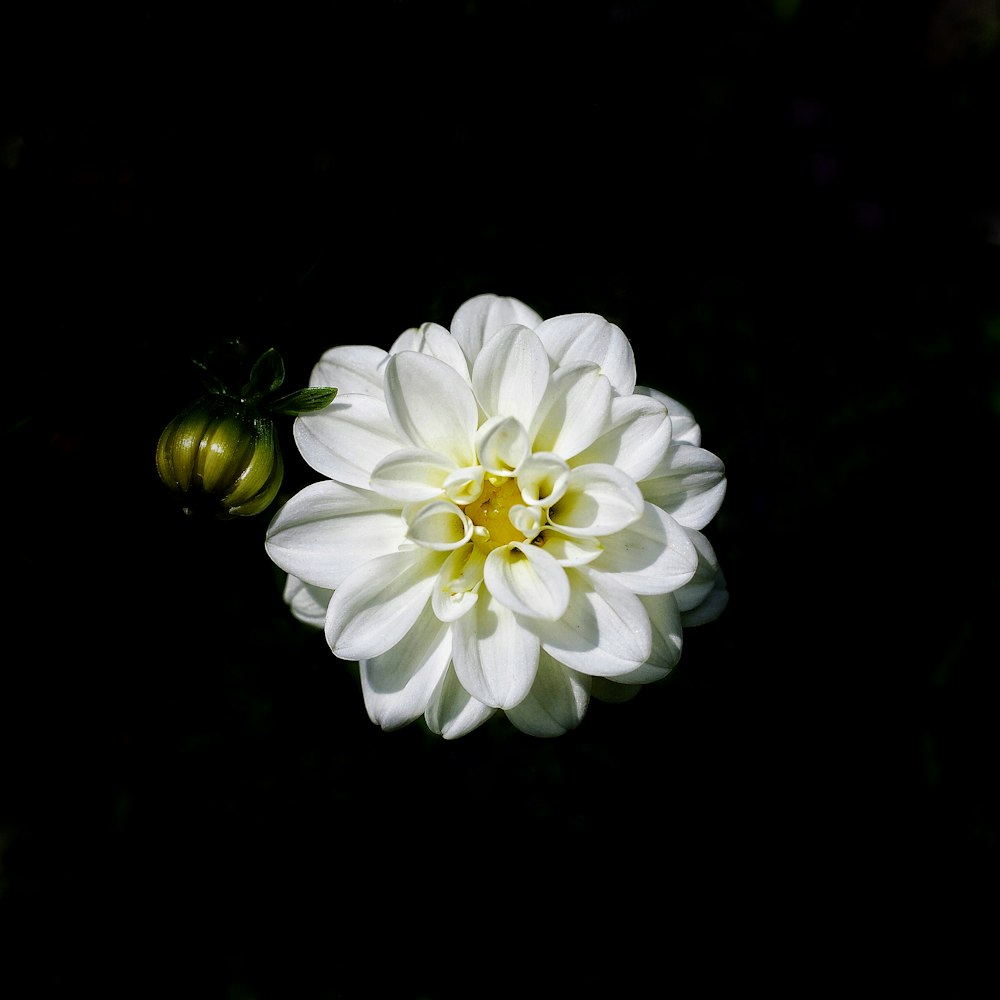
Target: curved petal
327,530
502,445
308,603
637,439
456,589
348,438
412,474
605,631
511,373
441,526
495,656
351,368
556,703
704,579
431,406
380,602
397,685
543,479
684,427
589,337
452,711
435,340
527,580
652,556
478,318
574,412
690,484
599,500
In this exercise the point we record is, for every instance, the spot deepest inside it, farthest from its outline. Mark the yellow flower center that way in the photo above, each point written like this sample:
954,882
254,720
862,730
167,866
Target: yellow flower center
492,510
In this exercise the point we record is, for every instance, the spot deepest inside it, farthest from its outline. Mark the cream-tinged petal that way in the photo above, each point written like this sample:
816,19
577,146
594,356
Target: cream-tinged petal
412,474
308,603
465,485
327,530
380,602
350,368
456,588
397,685
452,711
527,580
683,425
690,484
599,500
511,374
502,445
652,556
605,630
435,340
715,602
556,703
637,439
348,438
441,526
589,337
431,406
495,656
478,318
542,479
567,550
574,412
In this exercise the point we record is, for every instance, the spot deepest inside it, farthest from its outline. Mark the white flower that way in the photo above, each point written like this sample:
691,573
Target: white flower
507,521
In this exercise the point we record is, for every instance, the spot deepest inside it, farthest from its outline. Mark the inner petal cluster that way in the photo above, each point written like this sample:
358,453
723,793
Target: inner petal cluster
491,511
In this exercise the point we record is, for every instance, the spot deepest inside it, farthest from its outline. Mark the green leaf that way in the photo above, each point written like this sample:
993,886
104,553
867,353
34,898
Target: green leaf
302,401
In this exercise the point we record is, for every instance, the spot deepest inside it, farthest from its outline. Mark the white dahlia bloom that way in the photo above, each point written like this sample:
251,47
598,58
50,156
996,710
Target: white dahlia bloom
507,521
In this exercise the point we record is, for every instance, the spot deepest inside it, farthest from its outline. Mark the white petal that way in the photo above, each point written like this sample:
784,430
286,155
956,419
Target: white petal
605,631
574,412
599,500
652,556
568,551
690,484
435,340
477,319
308,603
398,685
348,438
684,427
665,618
511,373
495,656
412,474
380,602
502,445
431,406
543,479
706,596
456,588
588,337
327,530
351,368
556,703
526,579
440,525
637,439
452,711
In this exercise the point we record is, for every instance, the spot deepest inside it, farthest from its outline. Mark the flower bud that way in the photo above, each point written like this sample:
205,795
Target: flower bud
222,457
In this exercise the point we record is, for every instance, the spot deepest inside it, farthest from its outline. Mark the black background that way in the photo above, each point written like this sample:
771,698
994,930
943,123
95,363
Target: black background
791,209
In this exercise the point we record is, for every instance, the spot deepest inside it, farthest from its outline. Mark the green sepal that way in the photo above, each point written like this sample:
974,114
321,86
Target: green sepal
302,401
266,376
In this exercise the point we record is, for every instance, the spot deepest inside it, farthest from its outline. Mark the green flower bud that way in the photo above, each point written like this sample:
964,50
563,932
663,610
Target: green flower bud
222,457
